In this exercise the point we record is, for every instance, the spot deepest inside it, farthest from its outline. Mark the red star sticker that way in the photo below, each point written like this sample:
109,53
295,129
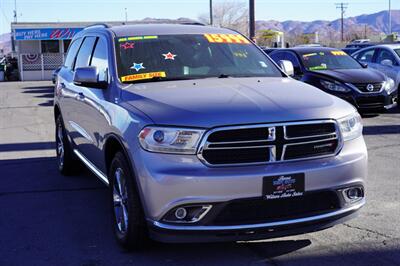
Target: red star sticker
128,45
169,56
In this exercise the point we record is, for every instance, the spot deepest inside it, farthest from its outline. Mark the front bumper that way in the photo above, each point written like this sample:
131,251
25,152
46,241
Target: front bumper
372,101
180,234
167,181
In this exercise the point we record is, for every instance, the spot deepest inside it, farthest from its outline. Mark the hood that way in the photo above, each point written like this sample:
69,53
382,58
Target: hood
363,75
215,102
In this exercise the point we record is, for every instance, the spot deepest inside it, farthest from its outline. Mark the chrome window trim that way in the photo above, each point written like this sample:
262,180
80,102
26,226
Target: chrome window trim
203,142
352,208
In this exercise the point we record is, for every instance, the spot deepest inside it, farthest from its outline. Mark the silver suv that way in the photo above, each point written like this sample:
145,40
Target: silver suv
201,137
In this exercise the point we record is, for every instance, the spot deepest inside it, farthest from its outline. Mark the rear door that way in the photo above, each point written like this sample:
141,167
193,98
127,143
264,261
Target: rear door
64,91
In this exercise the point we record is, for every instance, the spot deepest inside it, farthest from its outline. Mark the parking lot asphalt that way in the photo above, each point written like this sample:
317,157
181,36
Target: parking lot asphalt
48,219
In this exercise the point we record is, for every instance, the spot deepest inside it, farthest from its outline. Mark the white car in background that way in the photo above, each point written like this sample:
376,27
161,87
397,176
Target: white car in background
385,57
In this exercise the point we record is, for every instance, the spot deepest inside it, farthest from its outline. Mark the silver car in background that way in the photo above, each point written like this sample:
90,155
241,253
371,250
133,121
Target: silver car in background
385,58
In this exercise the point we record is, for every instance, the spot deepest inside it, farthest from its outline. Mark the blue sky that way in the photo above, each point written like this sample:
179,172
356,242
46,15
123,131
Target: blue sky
103,10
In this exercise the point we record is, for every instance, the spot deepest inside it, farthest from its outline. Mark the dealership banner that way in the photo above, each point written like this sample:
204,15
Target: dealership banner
46,34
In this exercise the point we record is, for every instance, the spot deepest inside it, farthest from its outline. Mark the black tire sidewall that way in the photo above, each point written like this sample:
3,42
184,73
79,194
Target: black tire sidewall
136,235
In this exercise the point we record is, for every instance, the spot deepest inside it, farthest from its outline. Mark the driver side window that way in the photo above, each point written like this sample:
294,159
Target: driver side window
366,56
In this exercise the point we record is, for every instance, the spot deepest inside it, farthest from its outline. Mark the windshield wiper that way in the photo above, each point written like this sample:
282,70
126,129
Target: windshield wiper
223,76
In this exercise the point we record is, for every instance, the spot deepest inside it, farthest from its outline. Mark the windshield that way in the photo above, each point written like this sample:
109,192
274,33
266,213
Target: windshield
190,56
328,60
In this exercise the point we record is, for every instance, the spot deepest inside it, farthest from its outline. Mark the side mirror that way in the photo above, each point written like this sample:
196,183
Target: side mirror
287,67
387,62
88,77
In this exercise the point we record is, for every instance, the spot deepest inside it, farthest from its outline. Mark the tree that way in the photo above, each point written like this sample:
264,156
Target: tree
233,15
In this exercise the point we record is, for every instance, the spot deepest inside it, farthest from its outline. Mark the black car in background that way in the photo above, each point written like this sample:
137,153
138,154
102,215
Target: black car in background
354,47
335,72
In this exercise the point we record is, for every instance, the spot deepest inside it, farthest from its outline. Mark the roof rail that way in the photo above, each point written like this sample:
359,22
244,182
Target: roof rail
104,25
191,23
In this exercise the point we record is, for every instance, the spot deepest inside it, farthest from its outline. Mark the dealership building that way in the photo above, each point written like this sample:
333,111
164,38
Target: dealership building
40,47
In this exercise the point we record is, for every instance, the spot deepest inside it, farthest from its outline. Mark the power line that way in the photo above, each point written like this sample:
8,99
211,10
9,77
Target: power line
342,6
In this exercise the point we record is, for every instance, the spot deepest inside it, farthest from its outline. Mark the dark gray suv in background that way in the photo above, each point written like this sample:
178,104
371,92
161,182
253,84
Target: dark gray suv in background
201,137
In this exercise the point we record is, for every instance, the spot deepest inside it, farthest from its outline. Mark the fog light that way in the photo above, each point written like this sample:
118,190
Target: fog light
180,213
187,214
353,194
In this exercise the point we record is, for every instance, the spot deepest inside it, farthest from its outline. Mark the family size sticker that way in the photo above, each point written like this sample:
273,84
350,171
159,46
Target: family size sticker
143,76
137,38
226,38
338,53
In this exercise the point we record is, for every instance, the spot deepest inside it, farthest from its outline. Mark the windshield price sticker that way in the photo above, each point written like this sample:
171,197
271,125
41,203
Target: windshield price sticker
339,53
137,38
226,38
142,76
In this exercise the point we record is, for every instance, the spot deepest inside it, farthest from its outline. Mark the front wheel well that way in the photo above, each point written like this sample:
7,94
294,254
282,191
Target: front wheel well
111,147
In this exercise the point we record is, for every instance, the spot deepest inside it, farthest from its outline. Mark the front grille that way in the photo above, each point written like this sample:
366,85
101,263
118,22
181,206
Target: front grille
252,211
269,143
373,87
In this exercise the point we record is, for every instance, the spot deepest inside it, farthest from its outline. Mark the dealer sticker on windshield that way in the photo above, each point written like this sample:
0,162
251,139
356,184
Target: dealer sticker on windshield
142,76
283,186
226,38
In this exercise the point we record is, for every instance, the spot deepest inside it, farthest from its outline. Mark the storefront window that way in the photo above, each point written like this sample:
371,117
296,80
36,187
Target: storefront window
66,45
50,46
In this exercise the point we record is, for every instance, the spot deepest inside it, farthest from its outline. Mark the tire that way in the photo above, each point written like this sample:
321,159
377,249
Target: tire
127,213
67,163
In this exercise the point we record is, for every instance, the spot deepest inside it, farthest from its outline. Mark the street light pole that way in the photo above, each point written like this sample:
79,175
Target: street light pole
211,13
252,30
390,17
15,11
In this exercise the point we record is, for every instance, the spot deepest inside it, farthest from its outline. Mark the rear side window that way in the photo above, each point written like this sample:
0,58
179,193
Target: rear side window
73,49
85,52
100,59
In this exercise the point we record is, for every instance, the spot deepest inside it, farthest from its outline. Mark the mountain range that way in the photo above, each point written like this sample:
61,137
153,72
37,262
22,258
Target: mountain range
376,23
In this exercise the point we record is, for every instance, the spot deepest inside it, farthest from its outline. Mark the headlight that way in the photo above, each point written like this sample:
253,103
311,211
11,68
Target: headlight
170,140
388,85
334,86
351,126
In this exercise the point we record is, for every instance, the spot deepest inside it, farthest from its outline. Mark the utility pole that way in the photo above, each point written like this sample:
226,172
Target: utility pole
211,13
15,11
365,31
126,15
390,17
252,24
342,6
